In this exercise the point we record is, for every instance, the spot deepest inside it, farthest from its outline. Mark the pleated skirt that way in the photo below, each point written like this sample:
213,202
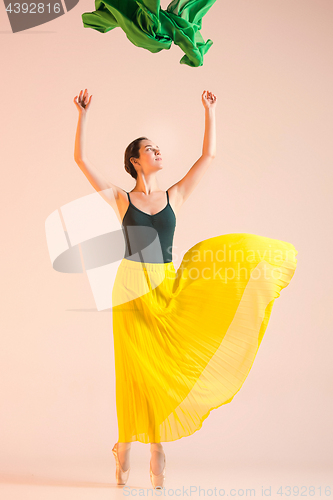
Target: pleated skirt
185,340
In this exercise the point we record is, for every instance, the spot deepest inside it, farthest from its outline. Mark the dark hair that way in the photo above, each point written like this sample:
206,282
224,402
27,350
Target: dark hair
132,151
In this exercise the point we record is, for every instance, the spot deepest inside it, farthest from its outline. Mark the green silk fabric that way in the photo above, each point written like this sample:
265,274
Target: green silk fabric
148,26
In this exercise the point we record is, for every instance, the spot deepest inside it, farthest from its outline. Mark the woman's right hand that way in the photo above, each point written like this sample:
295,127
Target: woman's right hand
82,102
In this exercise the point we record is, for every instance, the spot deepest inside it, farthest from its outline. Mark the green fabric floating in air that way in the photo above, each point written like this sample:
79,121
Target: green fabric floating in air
148,26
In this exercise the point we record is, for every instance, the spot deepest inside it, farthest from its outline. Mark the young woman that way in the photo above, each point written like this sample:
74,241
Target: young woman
185,340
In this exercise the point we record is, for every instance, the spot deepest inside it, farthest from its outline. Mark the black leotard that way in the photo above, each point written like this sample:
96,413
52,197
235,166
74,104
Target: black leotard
149,238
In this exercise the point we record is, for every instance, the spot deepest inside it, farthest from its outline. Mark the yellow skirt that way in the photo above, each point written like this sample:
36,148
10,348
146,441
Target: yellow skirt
185,340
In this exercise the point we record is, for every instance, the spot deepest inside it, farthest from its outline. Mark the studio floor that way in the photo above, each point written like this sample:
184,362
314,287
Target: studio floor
182,480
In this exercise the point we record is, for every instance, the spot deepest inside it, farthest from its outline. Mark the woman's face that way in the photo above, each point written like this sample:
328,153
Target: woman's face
150,156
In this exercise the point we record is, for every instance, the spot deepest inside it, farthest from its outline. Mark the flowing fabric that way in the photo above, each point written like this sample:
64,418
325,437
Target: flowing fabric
185,340
148,26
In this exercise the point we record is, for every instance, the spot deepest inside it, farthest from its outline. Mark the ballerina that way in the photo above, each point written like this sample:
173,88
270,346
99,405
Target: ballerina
185,340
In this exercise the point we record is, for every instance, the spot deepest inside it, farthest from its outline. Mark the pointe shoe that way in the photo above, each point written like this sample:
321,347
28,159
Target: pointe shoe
157,480
121,475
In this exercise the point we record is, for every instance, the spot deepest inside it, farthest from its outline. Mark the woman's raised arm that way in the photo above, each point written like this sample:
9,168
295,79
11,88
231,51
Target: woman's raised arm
104,187
182,189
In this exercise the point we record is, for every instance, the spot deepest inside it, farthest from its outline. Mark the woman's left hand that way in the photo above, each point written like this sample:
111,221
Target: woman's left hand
208,100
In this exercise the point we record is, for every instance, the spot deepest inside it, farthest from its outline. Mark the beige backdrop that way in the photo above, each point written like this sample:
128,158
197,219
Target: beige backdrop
270,67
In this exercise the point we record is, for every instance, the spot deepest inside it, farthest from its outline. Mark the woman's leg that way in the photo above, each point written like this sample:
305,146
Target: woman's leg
124,455
157,457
